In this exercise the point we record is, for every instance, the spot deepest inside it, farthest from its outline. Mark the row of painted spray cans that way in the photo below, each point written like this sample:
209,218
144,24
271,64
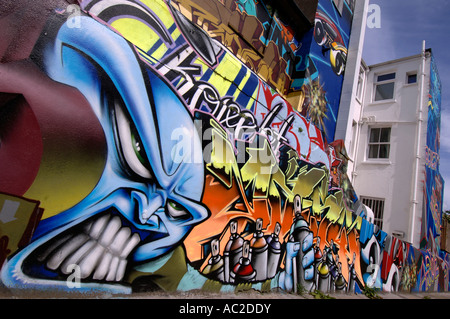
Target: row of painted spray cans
266,254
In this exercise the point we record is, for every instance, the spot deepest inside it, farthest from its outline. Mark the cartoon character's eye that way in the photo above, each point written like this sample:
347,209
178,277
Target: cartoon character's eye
138,147
176,210
131,145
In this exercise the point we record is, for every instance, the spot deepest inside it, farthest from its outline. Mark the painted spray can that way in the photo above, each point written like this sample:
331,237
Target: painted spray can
259,252
232,251
324,273
340,283
334,273
317,260
243,271
274,252
352,275
300,230
215,267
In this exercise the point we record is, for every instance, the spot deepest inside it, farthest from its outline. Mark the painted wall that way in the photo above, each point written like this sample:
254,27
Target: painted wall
322,56
434,183
139,153
307,68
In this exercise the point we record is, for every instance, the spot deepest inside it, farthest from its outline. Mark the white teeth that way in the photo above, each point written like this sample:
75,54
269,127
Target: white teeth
132,242
102,269
110,231
102,253
65,250
117,260
119,241
43,256
98,226
121,269
113,269
76,256
89,262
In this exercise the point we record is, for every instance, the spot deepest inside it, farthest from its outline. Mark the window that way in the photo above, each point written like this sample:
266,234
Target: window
384,87
411,78
379,142
377,206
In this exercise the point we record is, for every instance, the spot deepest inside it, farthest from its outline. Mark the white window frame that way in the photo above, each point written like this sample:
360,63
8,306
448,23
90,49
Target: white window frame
379,143
408,74
361,84
377,82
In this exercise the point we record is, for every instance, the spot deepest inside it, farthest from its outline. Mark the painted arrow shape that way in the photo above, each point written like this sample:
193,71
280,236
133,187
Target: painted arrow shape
8,212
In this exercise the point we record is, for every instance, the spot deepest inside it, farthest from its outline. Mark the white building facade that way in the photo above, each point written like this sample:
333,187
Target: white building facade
386,141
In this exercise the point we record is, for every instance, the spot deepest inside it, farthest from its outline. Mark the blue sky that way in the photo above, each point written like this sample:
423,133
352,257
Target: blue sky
404,25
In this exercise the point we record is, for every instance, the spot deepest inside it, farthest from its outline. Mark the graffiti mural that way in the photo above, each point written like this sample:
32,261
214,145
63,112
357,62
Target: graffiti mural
434,183
163,159
305,68
320,64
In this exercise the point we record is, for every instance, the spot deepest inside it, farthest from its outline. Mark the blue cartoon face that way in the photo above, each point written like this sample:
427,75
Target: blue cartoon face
148,197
